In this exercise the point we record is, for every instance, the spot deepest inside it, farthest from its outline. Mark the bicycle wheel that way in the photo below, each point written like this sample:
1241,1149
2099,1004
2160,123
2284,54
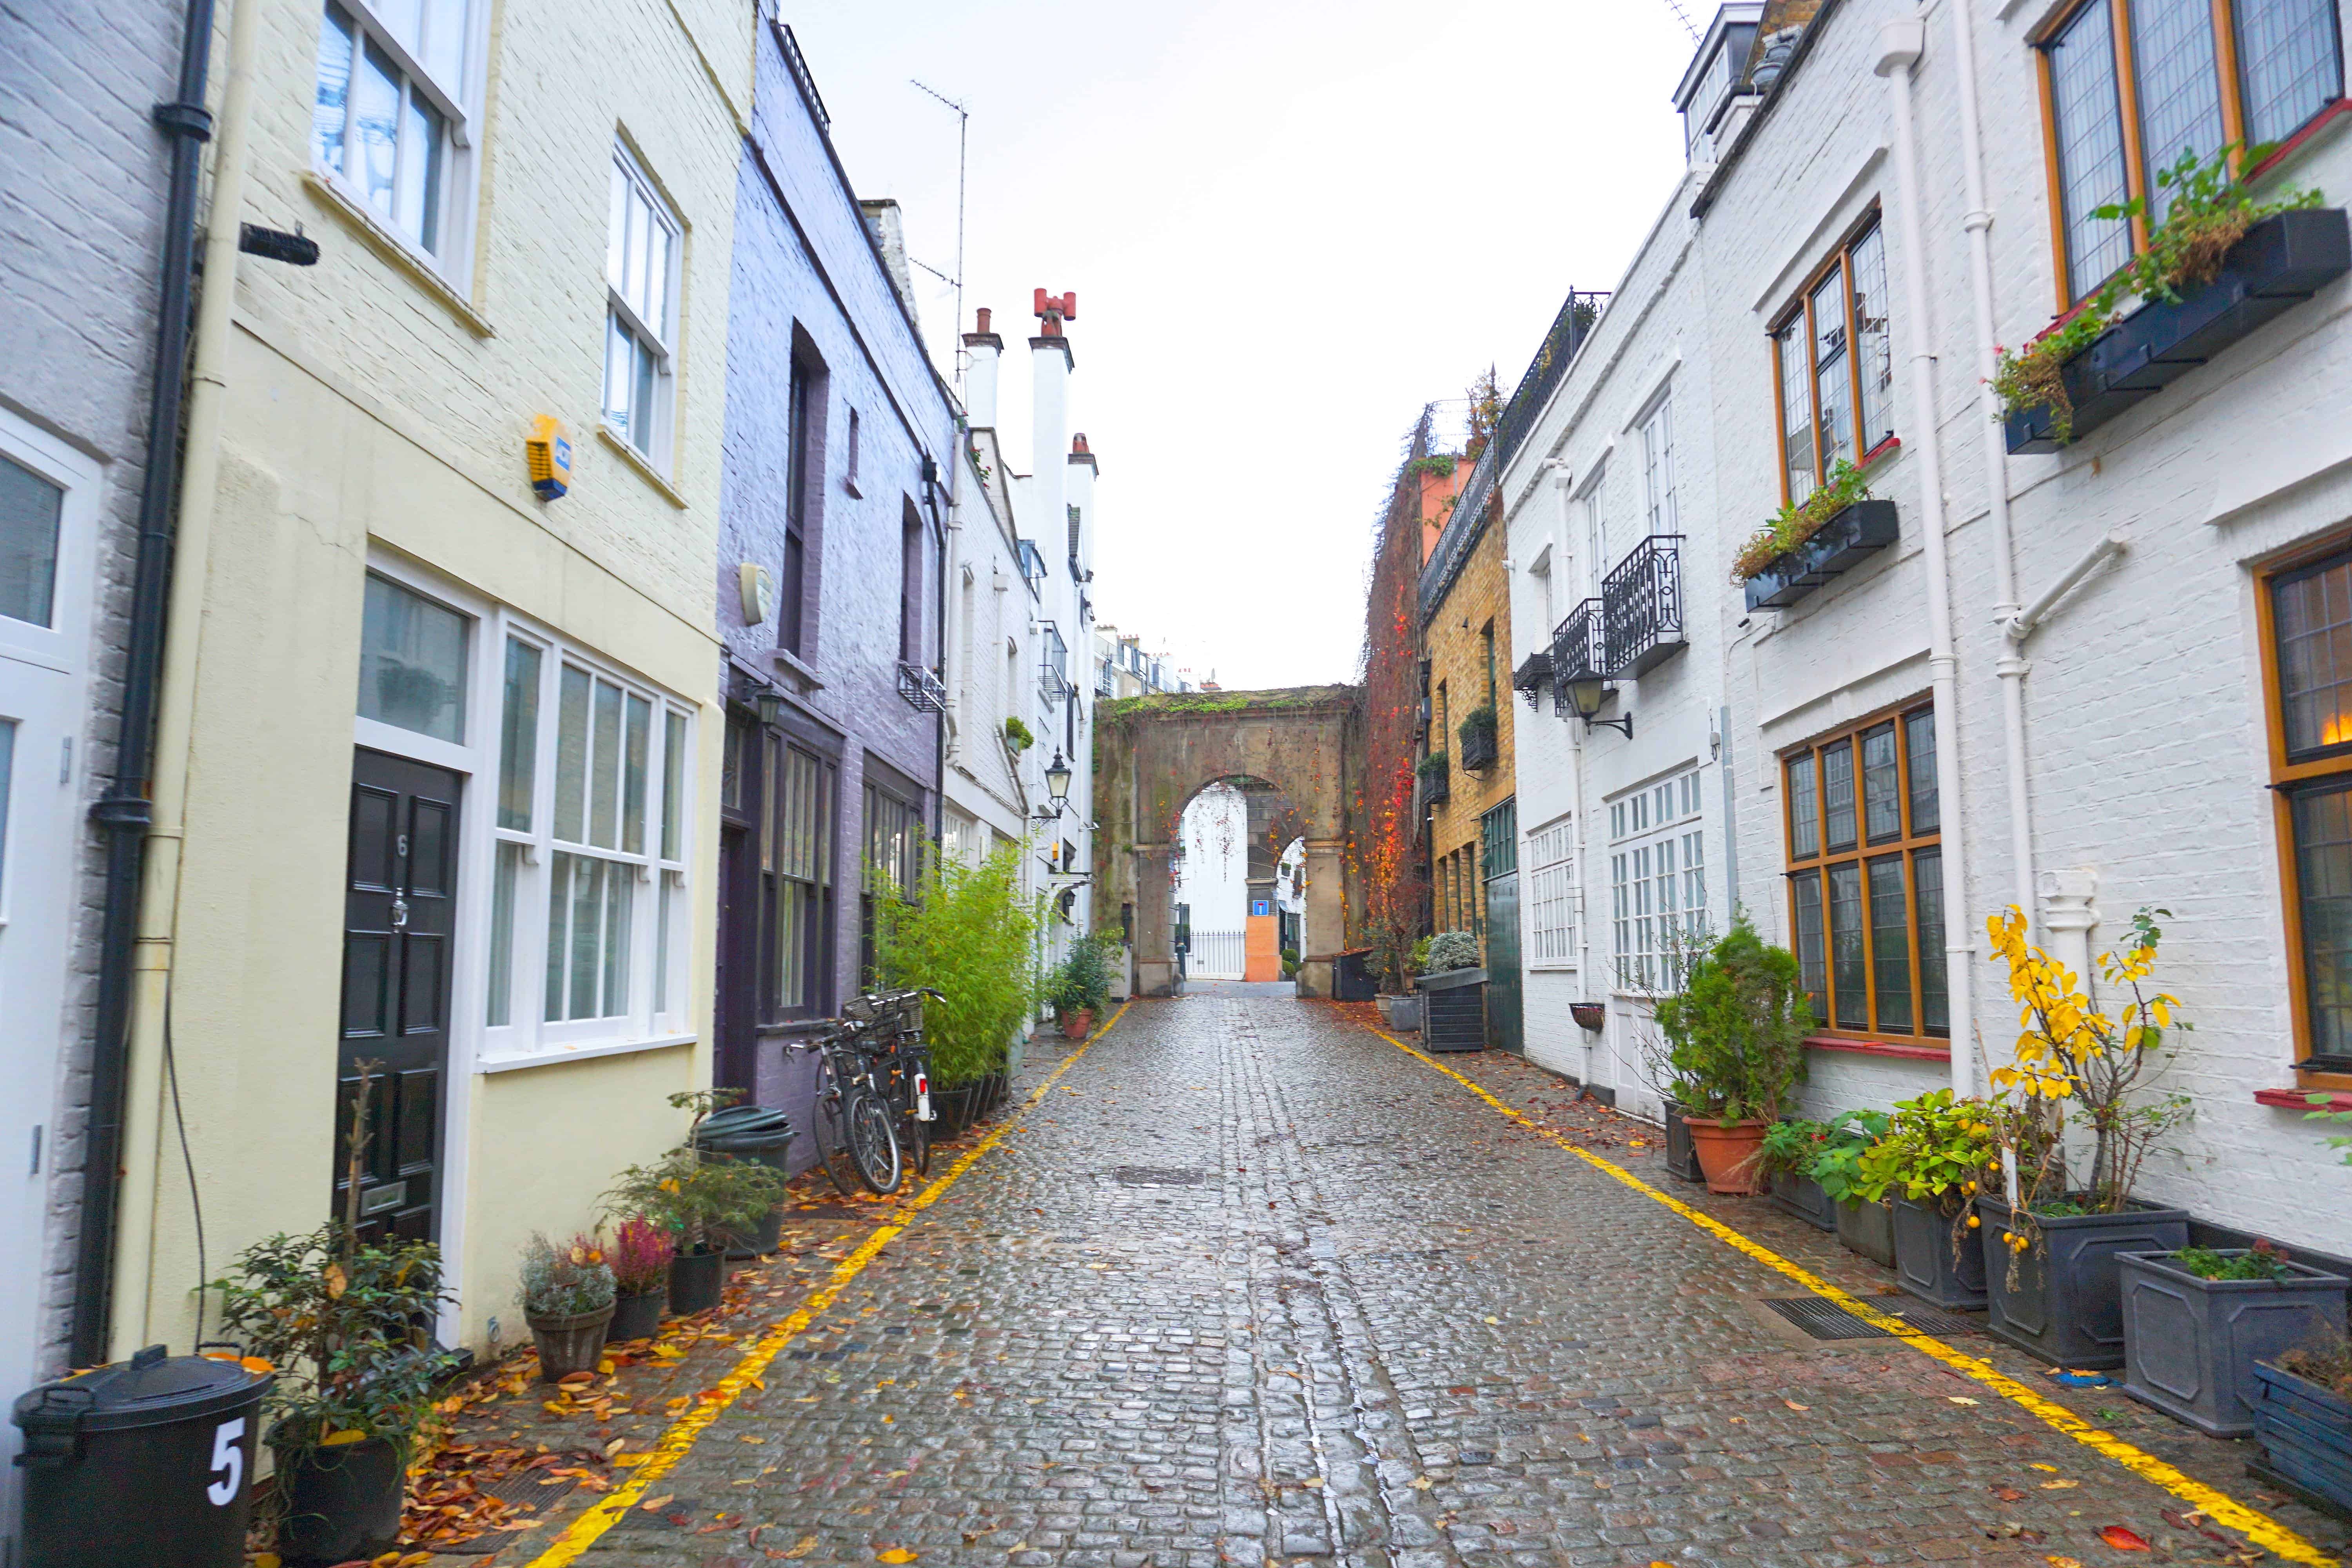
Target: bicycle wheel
873,1142
831,1120
915,1134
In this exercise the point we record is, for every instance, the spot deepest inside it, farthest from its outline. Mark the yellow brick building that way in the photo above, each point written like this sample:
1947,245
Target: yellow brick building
1467,642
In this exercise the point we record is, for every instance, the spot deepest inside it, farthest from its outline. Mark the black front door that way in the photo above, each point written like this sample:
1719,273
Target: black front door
399,906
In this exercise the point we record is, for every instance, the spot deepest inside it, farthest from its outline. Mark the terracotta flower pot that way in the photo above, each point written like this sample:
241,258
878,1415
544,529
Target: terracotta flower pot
1078,1026
1732,1157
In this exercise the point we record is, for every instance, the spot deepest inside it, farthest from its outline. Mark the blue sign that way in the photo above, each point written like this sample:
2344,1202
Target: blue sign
1261,906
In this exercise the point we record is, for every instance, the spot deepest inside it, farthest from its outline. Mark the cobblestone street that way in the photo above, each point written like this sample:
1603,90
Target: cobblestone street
1252,1283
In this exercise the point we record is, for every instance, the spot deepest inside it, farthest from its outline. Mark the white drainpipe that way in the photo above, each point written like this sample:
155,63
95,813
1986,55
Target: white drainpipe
1899,48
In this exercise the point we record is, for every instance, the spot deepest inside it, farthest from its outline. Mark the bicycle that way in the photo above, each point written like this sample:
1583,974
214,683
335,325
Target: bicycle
904,1064
853,1119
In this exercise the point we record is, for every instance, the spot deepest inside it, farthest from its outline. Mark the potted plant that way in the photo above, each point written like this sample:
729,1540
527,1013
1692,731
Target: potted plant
694,1194
566,1296
1864,1224
1017,738
1788,1151
2301,1404
2056,1233
2196,1320
1809,542
1930,1162
349,1326
1453,987
968,933
1079,987
1736,1037
1433,775
639,1257
1478,736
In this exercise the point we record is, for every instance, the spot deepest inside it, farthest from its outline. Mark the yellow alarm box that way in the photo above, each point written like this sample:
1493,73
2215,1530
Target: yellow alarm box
550,450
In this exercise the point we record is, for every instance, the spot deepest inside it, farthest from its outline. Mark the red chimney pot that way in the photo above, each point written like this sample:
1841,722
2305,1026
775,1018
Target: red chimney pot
982,314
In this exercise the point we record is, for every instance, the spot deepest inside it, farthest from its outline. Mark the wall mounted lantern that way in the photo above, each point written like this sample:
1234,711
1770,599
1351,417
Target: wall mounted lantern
1585,696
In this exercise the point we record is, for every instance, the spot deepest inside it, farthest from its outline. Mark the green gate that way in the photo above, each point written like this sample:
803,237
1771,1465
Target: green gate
1498,853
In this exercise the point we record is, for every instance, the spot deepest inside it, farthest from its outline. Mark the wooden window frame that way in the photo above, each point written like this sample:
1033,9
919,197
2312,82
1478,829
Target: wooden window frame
2284,777
1906,843
2233,120
1800,309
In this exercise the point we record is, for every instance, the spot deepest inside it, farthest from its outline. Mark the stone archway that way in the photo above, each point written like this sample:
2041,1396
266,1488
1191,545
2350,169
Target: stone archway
1153,755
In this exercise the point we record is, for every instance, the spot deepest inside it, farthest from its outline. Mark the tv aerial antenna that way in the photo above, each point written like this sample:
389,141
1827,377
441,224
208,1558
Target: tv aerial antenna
1684,17
963,136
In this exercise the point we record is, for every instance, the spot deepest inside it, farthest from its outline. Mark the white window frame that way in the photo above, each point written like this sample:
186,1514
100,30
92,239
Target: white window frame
1550,856
659,338
1595,520
1657,879
452,259
1659,505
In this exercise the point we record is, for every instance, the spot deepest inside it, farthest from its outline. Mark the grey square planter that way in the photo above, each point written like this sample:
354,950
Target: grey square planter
1682,1156
1924,1264
1868,1229
2190,1343
1803,1196
1453,1010
2067,1307
2305,1432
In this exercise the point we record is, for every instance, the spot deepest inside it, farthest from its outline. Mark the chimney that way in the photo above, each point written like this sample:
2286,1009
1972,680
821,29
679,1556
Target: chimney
983,348
883,223
1050,362
1081,504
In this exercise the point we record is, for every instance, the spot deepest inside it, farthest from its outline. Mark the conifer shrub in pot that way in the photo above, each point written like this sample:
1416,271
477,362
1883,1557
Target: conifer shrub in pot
2053,1233
1079,986
695,1196
566,1295
969,934
2196,1320
1736,1038
1787,1151
349,1326
1863,1224
1928,1164
639,1257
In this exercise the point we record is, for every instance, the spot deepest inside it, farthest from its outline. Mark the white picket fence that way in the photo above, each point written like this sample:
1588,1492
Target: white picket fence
1216,955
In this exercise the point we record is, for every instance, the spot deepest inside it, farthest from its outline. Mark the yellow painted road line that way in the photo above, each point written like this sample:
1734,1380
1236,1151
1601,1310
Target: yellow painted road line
2259,1528
678,1440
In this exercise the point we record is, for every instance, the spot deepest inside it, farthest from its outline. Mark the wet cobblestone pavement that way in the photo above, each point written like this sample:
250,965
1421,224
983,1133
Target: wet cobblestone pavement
1254,1285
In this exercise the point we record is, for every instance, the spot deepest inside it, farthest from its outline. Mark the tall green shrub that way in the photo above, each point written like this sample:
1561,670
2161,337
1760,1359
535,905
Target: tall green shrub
968,933
1736,1030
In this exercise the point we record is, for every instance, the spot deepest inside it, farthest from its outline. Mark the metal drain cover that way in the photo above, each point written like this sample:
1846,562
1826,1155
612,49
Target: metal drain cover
1827,1321
1153,1176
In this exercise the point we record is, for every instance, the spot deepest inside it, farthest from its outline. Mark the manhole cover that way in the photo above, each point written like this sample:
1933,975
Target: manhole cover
1155,1177
1828,1320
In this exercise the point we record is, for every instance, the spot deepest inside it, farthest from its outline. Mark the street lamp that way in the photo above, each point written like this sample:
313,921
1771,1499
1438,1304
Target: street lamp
1057,781
1585,695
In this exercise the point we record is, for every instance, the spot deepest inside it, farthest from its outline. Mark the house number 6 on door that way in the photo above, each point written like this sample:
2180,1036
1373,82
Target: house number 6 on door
229,1457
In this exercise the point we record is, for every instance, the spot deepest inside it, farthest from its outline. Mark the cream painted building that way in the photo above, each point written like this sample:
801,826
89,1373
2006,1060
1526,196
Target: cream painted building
438,762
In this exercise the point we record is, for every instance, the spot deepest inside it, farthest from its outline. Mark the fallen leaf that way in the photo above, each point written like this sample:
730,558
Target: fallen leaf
2059,1485
1419,1483
799,1548
1960,1399
616,1446
896,1554
336,1439
2008,1494
654,1504
1794,1405
2063,1562
2037,1465
1312,1482
2122,1540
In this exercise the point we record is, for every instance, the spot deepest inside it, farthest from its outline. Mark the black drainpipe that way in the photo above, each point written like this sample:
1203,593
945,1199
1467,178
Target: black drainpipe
123,812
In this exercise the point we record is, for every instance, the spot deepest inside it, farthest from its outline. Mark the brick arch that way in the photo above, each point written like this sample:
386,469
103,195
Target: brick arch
1154,754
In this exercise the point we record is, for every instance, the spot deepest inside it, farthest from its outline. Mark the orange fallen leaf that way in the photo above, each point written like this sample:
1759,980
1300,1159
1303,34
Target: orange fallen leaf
2122,1540
654,1504
1794,1405
801,1548
896,1554
2063,1562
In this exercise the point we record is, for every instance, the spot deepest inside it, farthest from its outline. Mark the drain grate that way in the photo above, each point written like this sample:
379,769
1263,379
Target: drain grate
1828,1320
1155,1177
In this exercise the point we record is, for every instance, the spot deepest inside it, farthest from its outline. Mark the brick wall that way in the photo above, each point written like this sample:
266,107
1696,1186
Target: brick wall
1455,644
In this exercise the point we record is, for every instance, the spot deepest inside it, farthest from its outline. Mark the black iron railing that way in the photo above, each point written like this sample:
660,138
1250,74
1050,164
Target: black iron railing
807,80
1533,676
1569,331
1576,651
1641,608
920,689
1053,665
1478,740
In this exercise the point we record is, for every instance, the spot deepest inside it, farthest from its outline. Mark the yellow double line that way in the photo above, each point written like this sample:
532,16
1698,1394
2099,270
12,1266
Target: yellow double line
2259,1528
678,1440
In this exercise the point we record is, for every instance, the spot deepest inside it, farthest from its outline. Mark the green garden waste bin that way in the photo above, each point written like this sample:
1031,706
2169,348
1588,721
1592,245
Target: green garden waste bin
140,1463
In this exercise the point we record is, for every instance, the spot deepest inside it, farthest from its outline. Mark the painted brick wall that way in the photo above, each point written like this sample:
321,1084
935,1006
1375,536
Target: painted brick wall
83,179
1456,653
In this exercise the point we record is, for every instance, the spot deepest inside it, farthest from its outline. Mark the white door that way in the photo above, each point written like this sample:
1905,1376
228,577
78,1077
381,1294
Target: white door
49,497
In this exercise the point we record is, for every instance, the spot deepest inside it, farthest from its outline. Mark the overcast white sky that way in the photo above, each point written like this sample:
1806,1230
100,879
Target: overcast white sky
1288,223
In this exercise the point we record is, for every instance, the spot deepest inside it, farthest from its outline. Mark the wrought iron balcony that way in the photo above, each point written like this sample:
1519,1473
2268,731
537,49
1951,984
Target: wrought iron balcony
920,689
1569,331
1533,676
1053,665
1105,680
1641,608
1576,653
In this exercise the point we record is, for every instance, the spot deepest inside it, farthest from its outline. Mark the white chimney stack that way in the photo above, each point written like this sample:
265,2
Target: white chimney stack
1081,500
985,348
1049,369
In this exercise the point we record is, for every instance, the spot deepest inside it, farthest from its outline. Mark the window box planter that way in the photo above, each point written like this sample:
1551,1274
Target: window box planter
1843,542
2067,1307
1478,746
2190,1343
2306,1432
1868,1229
1453,1010
1591,1015
1682,1155
2282,262
1803,1198
1925,1260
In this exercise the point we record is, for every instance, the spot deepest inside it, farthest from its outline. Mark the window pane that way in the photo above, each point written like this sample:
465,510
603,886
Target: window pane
673,786
1882,784
1812,958
31,510
519,736
1928,890
1831,371
572,757
604,769
2180,87
2090,146
620,371
2314,615
620,888
587,909
1919,736
616,247
8,765
378,124
2323,863
1804,809
662,901
641,399
330,106
1847,968
412,662
558,940
1873,345
1890,944
632,260
2290,62
1837,784
654,308
443,55
402,19
1796,408
632,776
419,205
509,869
